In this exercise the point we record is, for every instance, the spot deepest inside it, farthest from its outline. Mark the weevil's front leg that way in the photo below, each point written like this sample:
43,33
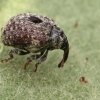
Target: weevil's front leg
32,57
43,58
14,51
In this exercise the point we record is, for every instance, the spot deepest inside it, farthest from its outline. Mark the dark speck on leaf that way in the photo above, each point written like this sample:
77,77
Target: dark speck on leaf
83,80
76,24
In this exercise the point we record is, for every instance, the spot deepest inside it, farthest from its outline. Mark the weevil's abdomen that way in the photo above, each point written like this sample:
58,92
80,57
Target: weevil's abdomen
27,31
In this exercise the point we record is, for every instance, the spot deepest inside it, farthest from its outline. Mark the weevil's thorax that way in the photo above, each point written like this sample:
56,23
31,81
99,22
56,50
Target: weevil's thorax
57,38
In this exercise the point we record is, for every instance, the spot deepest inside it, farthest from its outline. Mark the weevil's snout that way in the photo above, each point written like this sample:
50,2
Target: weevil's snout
59,41
65,48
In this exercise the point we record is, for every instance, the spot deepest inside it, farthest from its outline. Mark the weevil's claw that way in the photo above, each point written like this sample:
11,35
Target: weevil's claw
36,65
58,65
61,64
6,60
25,66
27,63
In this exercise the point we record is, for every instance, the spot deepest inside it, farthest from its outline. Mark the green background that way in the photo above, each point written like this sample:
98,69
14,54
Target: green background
50,82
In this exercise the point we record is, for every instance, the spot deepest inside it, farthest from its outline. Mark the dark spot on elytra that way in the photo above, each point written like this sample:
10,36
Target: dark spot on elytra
35,19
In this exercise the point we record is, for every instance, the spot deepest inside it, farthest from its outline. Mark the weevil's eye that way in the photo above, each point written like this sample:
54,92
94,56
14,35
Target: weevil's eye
35,19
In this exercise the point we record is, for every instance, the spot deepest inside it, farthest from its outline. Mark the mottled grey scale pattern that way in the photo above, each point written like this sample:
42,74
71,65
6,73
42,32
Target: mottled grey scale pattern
21,32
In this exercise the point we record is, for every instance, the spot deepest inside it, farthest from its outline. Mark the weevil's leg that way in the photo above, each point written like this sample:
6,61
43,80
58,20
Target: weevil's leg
43,58
14,51
32,57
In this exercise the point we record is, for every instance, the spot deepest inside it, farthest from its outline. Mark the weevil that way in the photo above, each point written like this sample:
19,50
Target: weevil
37,34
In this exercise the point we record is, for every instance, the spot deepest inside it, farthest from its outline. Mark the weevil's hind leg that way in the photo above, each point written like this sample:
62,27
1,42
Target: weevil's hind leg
32,57
43,58
14,51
